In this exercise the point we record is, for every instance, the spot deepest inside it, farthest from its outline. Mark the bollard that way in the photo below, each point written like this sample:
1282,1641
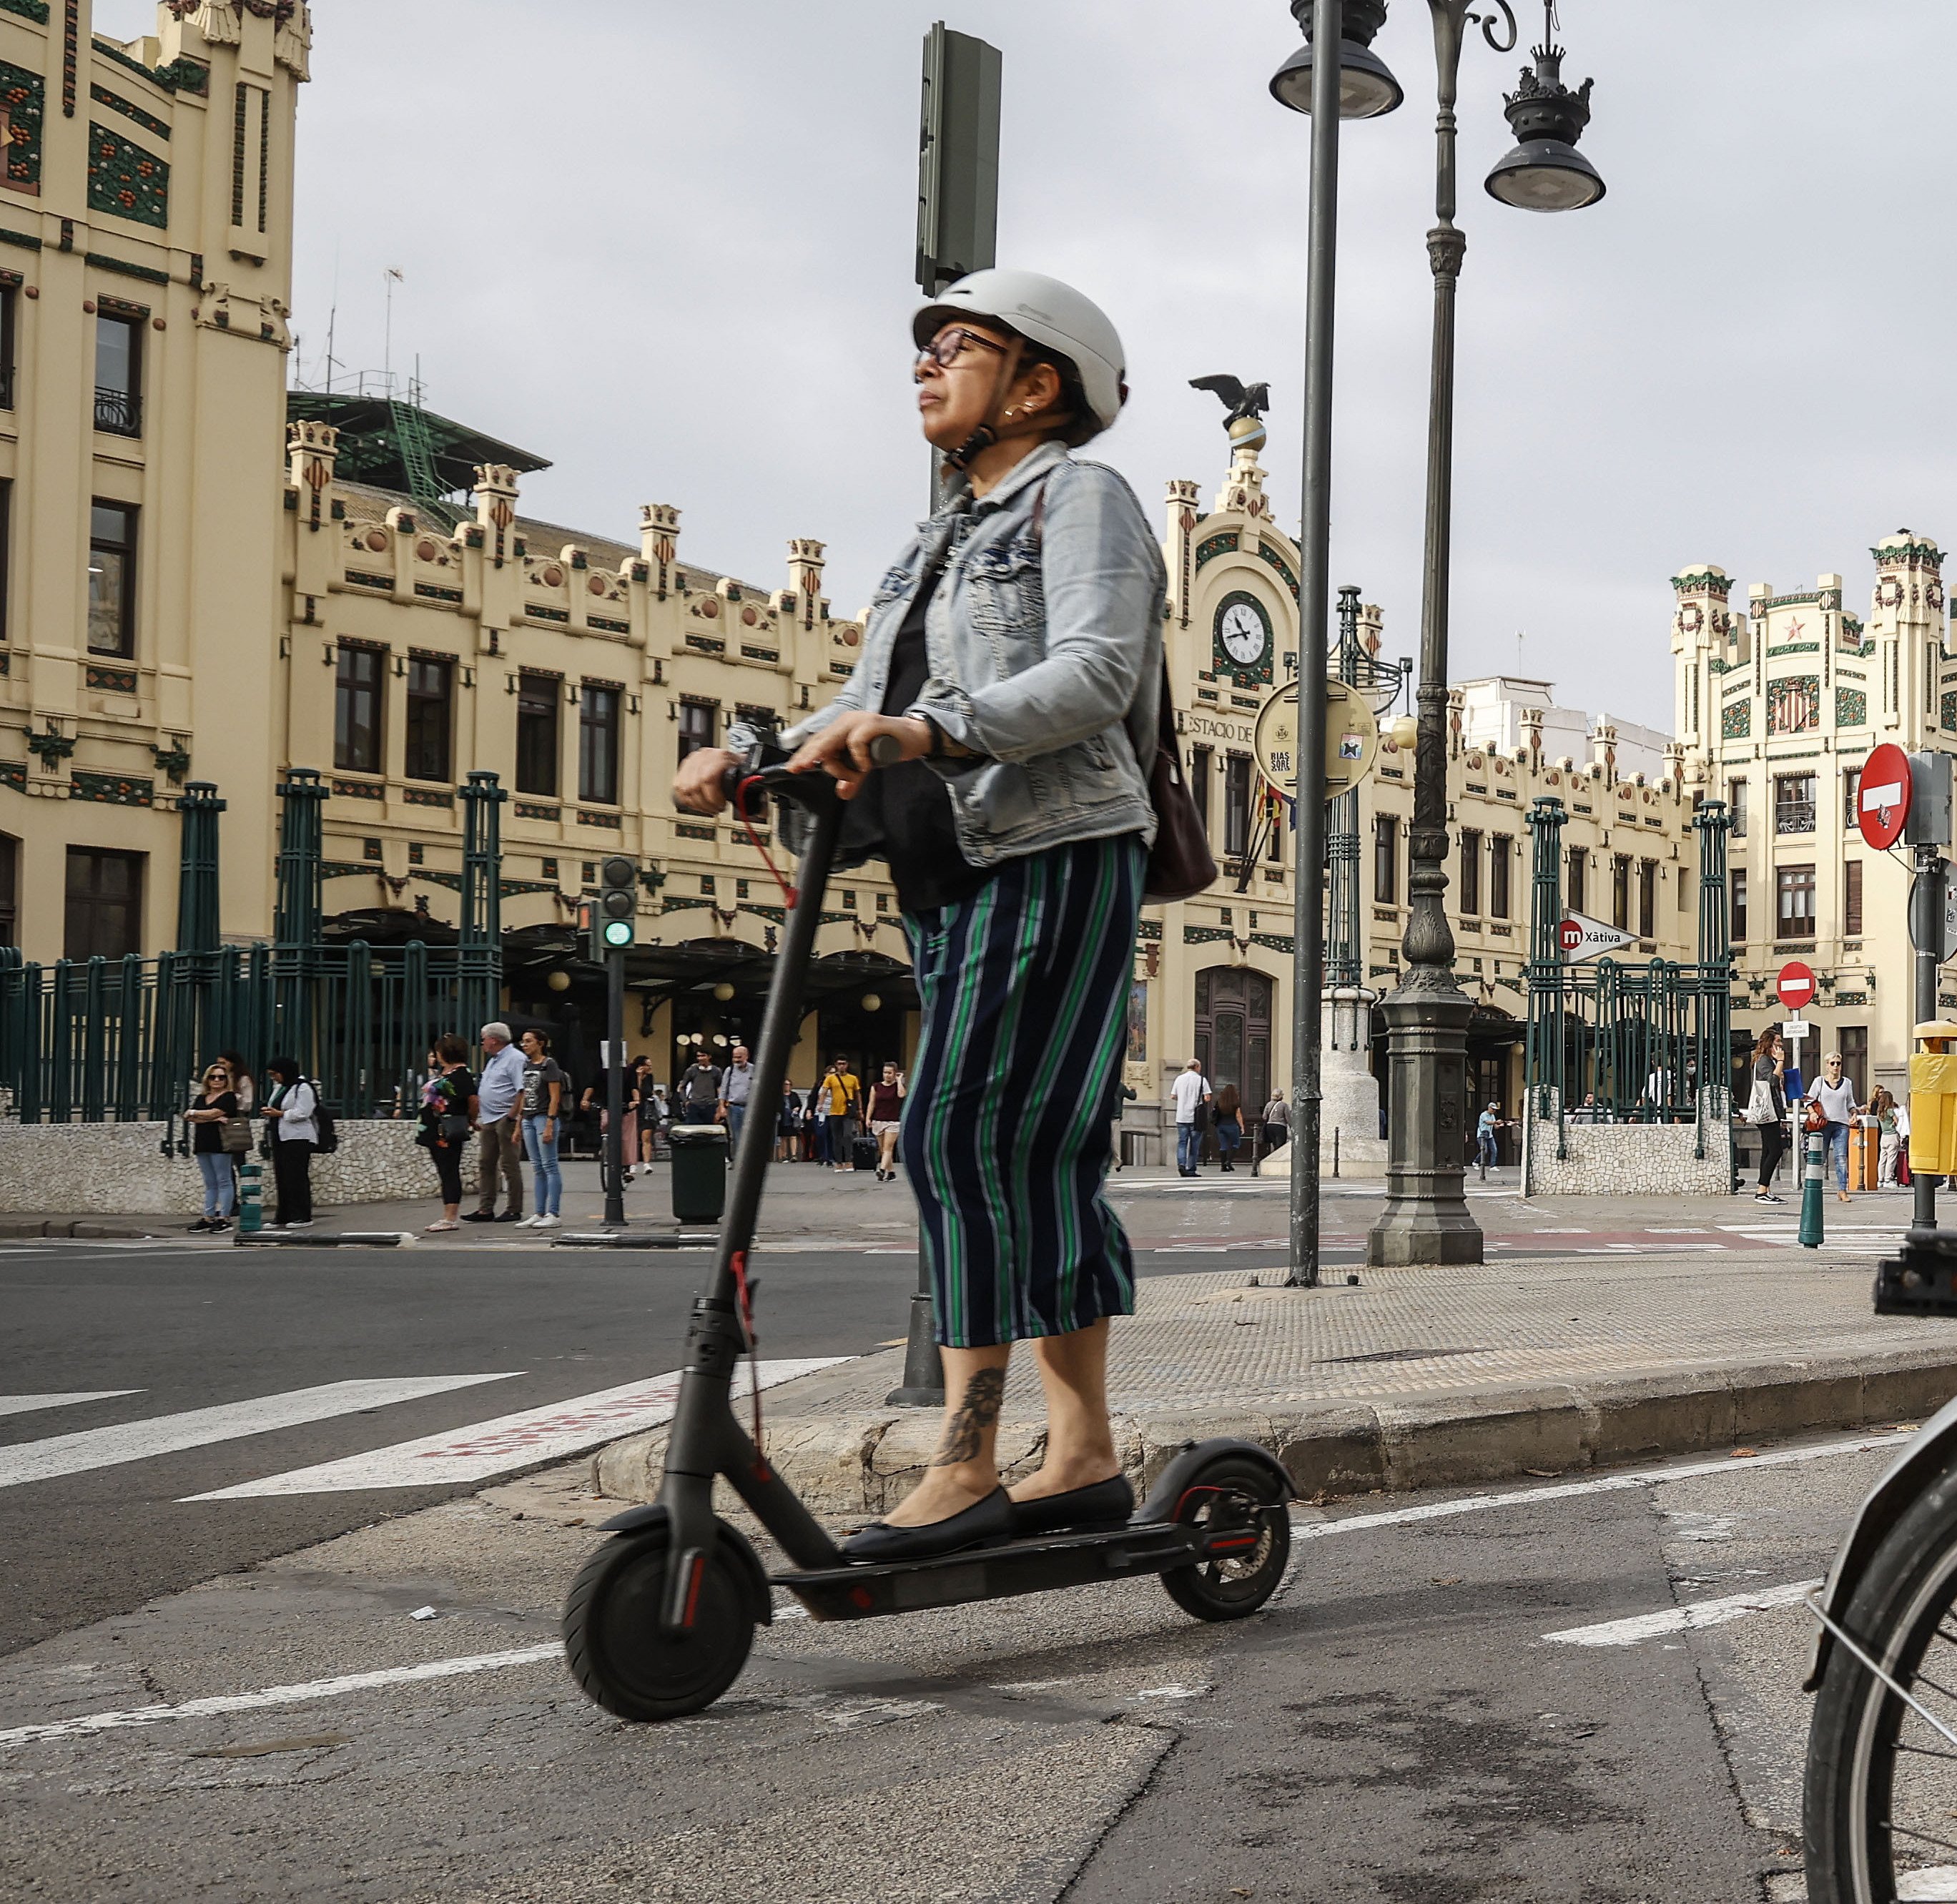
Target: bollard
1813,1182
250,1208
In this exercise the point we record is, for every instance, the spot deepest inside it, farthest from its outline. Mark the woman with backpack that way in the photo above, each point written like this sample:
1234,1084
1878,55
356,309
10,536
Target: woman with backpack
447,1116
1229,1114
291,1123
1013,653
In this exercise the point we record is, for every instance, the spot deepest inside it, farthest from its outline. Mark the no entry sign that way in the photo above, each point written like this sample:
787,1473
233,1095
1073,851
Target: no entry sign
1795,986
1882,797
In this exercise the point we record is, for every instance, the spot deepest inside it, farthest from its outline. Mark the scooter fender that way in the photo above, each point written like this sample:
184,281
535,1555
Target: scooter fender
760,1601
1929,1453
1173,1481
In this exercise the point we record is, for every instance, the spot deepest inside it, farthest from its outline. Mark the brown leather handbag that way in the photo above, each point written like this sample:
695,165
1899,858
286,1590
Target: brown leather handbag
1180,865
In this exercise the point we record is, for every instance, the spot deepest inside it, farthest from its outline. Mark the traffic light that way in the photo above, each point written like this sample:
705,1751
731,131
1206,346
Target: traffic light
614,912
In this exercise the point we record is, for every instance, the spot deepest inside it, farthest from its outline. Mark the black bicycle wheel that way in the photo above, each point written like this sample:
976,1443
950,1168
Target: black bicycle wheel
1880,1799
1245,1511
617,1650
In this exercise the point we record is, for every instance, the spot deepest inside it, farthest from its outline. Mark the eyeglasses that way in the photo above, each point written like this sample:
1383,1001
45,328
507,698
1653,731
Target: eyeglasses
948,347
220,1075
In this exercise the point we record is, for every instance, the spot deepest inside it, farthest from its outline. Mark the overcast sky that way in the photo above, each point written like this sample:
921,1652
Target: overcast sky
670,246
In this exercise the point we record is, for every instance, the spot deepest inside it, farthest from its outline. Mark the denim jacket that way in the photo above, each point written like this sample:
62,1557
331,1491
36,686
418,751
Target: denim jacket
1045,650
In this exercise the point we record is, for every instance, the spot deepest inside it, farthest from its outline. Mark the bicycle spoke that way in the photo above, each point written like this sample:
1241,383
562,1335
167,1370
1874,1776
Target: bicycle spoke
1924,1752
1905,1831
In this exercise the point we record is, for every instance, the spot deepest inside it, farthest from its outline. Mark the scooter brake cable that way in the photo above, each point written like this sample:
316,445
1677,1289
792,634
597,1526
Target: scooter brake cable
789,893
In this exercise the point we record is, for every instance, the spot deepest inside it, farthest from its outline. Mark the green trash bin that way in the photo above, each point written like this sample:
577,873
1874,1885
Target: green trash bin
699,1172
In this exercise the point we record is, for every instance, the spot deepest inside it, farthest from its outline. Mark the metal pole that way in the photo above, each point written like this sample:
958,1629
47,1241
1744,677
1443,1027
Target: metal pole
1426,1218
614,1085
1314,613
1927,897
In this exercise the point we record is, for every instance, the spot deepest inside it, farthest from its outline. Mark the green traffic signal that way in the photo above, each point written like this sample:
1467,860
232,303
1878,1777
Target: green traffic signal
618,931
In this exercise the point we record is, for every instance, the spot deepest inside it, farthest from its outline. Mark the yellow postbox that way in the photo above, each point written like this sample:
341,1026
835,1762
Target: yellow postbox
1933,1100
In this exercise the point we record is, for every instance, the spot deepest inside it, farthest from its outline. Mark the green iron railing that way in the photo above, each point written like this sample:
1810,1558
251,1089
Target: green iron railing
1630,1043
89,1041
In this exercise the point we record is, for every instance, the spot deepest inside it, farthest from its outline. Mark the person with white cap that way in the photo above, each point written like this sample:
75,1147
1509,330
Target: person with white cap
1013,651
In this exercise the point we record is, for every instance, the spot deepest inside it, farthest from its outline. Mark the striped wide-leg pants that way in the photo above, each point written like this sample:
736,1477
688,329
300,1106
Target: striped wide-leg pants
1008,1117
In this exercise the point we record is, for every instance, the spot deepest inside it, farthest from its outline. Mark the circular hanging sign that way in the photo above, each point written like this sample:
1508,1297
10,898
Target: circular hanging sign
1881,797
1570,936
1351,738
1795,986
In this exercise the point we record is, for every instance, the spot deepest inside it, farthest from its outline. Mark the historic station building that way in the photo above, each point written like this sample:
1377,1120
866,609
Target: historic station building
209,578
1780,701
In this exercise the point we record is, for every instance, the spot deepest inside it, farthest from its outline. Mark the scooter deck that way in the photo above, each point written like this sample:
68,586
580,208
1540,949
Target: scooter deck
1040,1565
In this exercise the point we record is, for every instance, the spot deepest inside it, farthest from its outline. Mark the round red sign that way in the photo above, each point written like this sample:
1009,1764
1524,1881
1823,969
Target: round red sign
1570,936
1795,986
1881,796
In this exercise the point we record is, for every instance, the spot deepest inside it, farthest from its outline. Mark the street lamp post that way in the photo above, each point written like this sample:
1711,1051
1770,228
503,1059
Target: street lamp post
1426,1218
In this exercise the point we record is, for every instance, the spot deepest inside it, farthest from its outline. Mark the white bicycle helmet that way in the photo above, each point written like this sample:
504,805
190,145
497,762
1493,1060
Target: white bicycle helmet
1053,316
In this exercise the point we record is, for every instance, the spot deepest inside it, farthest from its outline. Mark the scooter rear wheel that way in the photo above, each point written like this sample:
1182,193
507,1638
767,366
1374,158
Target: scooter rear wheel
1233,1499
622,1657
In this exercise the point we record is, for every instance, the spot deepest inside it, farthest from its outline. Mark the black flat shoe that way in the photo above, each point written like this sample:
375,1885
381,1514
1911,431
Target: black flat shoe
1103,1503
988,1520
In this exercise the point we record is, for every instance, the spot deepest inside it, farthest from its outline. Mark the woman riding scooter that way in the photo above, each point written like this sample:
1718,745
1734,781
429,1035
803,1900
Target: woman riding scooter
1013,654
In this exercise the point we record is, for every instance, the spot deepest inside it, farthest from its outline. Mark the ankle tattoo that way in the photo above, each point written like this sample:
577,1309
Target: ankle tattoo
964,1433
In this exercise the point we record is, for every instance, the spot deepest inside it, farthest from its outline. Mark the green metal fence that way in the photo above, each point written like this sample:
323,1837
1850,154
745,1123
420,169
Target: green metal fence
126,1038
1630,1043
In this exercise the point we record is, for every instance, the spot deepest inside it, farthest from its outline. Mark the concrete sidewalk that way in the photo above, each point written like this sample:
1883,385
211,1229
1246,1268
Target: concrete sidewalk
1416,1377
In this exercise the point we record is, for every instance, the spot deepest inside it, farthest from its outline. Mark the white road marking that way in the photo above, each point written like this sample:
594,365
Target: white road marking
26,1404
1600,1484
108,1447
554,1432
1685,1619
270,1695
1926,1886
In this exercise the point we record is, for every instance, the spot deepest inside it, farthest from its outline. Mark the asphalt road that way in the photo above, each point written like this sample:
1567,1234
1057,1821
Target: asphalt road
187,1329
1437,1706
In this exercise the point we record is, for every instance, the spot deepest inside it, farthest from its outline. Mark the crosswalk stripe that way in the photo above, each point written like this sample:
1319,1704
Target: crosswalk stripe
108,1447
552,1433
26,1404
292,1695
1689,1617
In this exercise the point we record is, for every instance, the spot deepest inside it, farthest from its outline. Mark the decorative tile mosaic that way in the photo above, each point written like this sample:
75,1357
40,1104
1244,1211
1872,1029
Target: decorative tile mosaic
23,99
1793,703
1851,707
126,179
1736,720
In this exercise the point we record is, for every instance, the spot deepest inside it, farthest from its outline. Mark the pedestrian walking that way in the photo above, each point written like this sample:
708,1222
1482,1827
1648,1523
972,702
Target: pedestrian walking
447,1114
787,1126
1889,1135
886,1110
1014,655
292,1115
1277,1124
212,1114
737,1084
644,1127
1229,1124
839,1092
1128,1096
545,1087
1487,1139
498,1150
1191,1093
1766,1108
655,1116
1836,1094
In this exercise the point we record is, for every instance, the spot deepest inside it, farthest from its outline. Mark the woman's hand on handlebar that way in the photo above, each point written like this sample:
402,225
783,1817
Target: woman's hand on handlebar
699,784
842,749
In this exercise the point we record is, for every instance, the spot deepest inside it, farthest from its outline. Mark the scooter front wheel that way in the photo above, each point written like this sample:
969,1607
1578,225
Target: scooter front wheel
1245,1517
619,1654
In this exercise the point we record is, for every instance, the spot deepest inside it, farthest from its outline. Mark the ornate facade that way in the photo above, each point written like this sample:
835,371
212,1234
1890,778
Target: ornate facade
1779,702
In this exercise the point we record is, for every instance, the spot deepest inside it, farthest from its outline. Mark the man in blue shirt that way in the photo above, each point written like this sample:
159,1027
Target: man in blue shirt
736,1085
498,1092
1486,1125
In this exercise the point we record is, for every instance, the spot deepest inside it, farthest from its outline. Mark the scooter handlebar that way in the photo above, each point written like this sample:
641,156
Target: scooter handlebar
808,789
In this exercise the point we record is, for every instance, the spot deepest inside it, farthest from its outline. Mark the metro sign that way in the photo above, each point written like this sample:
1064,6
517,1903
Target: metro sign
1882,800
1580,937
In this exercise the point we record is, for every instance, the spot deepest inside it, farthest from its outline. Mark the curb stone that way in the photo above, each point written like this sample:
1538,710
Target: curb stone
866,1461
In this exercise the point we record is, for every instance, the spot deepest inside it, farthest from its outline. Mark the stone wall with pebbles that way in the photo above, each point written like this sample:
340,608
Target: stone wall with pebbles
1630,1159
119,1169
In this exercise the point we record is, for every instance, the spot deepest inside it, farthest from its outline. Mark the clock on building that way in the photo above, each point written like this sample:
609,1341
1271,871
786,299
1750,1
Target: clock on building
1243,639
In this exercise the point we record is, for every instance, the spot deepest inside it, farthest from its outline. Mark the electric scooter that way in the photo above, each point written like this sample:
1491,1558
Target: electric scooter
659,1622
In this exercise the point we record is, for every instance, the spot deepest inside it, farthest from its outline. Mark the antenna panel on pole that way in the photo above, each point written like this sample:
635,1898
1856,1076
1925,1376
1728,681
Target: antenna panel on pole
958,159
